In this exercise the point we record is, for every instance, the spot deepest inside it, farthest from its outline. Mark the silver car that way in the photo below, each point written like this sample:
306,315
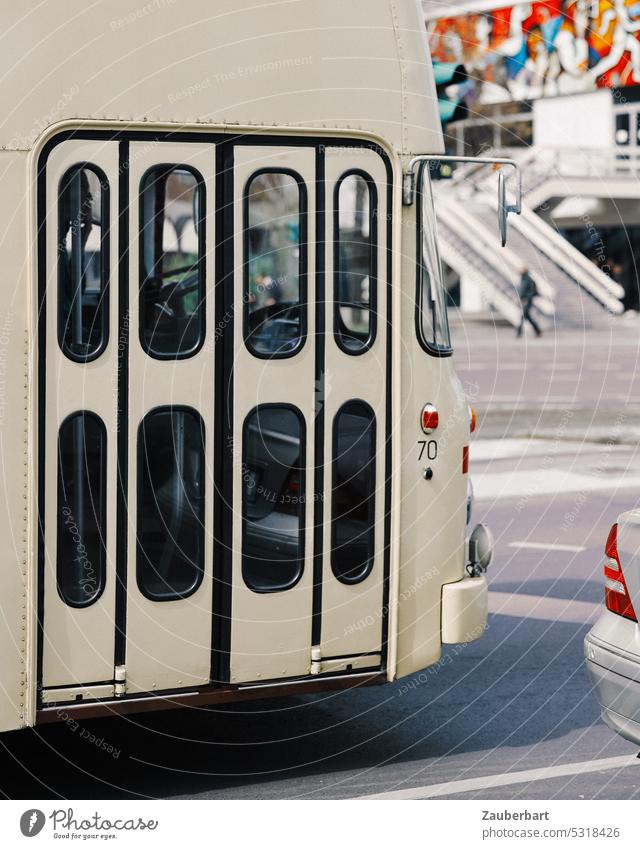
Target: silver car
612,647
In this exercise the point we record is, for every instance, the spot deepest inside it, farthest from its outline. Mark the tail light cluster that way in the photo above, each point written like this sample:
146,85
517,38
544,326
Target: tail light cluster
616,595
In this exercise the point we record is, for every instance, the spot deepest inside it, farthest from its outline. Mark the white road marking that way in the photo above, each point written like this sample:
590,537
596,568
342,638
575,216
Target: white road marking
486,782
547,546
506,449
543,607
534,482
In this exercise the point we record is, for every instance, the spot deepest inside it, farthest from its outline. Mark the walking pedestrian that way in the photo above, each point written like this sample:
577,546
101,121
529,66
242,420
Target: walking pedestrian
527,292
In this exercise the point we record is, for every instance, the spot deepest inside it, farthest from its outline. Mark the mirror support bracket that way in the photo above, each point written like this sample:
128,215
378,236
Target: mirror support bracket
409,183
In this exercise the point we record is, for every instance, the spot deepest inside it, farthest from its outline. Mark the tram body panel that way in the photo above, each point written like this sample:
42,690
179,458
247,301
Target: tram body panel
432,512
17,585
233,62
168,447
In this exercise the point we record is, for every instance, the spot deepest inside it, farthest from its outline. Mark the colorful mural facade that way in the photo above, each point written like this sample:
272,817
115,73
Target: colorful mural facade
545,48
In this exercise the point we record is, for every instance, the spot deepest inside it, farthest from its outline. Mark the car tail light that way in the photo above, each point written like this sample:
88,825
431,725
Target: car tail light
473,420
465,460
616,595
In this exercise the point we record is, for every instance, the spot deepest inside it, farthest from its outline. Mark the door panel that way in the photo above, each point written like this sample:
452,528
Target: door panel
271,627
168,637
356,370
79,640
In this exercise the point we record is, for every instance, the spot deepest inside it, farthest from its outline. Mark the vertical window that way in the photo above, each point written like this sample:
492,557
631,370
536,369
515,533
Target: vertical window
170,516
275,263
273,503
172,262
80,560
83,262
353,492
355,262
431,311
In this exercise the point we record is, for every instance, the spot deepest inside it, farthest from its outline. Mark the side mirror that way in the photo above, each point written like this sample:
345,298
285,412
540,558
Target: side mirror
480,550
503,208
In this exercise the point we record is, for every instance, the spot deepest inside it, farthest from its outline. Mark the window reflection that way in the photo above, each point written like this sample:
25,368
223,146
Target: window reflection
355,263
83,261
274,264
171,287
273,498
170,517
432,309
353,496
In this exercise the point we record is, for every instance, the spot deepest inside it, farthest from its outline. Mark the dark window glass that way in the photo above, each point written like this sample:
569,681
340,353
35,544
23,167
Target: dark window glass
353,496
82,455
355,263
273,498
83,257
622,129
170,529
171,261
275,264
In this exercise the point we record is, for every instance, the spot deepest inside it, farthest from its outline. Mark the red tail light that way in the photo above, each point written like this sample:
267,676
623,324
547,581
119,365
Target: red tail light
616,595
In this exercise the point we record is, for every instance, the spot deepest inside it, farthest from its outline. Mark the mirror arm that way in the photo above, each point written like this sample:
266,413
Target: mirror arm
409,178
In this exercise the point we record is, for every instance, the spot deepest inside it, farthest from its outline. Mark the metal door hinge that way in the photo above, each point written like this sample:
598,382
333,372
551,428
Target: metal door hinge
316,660
120,677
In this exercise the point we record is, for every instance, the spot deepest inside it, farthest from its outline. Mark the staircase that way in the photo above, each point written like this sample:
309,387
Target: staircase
573,292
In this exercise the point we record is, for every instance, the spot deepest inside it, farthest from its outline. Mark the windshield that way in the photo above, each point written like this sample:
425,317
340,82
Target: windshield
432,324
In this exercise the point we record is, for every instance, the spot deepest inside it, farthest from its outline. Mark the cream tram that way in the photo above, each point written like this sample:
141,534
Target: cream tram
234,447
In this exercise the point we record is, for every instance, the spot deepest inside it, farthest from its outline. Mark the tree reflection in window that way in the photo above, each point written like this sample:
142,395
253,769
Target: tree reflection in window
172,264
274,263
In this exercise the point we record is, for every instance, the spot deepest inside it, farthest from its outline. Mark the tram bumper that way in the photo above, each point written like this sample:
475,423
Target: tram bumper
465,603
464,610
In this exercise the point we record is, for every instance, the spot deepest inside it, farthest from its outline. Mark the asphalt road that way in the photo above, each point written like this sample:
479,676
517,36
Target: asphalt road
516,702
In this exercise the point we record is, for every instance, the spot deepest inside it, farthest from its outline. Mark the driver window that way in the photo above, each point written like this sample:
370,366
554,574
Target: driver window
172,263
274,264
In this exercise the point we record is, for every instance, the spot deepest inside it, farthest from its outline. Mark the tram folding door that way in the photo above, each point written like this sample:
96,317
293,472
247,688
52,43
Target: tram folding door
170,417
357,365
310,390
78,417
213,413
273,412
126,418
